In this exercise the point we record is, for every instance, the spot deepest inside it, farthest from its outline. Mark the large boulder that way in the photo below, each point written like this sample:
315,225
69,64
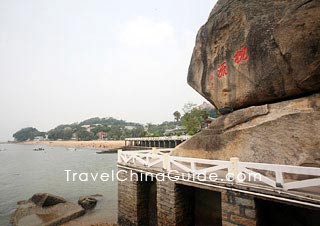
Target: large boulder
254,52
281,133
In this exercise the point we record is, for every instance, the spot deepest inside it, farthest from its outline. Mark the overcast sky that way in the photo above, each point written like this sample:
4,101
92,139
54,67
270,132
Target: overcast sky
63,61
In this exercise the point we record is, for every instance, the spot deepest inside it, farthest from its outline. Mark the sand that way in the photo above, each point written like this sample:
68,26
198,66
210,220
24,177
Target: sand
110,144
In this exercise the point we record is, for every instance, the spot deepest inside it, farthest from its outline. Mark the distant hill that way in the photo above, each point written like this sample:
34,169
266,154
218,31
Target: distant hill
115,129
107,121
90,129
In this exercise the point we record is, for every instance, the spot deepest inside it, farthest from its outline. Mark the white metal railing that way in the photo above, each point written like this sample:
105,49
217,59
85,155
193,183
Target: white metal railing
272,175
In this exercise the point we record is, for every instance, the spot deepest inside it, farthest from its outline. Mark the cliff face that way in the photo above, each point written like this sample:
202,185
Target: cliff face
254,52
252,60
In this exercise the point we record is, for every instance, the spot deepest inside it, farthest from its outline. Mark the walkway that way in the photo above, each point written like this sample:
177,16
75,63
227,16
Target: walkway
286,183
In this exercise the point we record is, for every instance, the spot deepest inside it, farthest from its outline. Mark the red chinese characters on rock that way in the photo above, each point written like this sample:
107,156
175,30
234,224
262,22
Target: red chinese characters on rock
241,55
222,70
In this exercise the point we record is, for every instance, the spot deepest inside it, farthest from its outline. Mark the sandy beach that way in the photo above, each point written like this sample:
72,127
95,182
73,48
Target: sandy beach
89,144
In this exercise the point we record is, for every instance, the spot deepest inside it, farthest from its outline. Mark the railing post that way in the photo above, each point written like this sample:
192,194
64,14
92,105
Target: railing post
234,168
147,160
279,179
193,166
154,153
166,162
119,155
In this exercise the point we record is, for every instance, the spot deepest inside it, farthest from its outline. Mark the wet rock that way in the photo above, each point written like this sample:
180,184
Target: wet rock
87,202
46,200
281,133
22,202
44,209
97,195
254,52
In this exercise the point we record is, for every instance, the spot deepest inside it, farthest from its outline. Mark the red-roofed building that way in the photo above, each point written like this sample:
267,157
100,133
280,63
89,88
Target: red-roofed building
102,135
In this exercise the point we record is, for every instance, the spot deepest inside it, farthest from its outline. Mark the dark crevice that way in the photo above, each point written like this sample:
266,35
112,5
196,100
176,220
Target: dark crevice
304,3
282,99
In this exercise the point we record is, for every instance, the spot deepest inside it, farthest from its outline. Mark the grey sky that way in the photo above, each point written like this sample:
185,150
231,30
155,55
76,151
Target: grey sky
63,61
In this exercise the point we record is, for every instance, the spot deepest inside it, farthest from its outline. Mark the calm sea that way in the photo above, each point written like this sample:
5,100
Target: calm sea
24,172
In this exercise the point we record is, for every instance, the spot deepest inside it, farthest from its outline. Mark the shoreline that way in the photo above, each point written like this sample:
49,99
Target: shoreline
97,144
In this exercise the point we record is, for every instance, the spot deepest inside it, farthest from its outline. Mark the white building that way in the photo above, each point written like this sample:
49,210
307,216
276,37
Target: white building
38,138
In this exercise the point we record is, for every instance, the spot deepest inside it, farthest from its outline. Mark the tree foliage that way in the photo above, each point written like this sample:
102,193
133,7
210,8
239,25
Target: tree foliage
193,118
28,133
83,134
115,129
63,132
177,116
158,130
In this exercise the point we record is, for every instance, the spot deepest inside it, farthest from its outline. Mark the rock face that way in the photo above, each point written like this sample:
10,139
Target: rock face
281,133
255,52
87,202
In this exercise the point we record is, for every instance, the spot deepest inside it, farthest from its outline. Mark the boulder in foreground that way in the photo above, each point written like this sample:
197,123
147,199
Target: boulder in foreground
44,209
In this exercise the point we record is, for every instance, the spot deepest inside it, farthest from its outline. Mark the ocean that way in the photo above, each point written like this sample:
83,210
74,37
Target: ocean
24,172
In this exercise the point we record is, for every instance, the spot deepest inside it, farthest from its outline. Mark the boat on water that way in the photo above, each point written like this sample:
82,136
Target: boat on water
38,149
71,149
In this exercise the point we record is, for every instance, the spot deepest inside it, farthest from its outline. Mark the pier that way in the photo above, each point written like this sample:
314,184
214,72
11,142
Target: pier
186,195
160,142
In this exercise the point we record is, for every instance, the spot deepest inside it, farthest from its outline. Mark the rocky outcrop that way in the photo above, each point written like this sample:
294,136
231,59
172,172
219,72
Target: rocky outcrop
254,52
281,133
87,202
46,200
45,210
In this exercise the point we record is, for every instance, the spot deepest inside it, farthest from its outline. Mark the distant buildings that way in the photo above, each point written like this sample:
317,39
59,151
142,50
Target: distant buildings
88,127
102,135
130,127
39,138
74,136
175,131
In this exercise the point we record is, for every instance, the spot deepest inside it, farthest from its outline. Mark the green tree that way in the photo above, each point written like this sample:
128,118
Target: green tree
83,134
63,132
158,130
91,121
192,120
67,133
177,116
116,133
28,133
